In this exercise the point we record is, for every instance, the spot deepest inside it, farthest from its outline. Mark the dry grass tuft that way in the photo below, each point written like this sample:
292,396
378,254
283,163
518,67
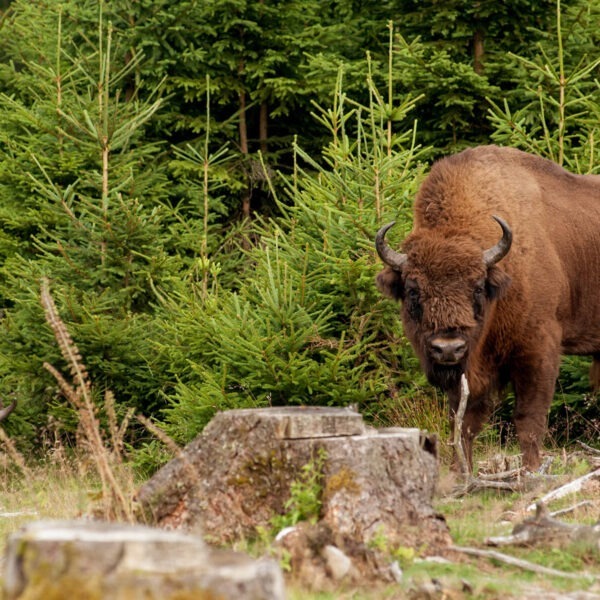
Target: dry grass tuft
115,503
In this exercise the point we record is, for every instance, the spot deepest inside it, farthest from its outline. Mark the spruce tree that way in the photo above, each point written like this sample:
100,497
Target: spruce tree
305,324
80,205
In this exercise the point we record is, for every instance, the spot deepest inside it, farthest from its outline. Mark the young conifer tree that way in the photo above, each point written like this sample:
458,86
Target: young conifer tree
305,325
80,192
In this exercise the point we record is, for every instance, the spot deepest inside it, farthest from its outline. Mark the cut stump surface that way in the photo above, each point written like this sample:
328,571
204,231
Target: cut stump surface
48,560
236,475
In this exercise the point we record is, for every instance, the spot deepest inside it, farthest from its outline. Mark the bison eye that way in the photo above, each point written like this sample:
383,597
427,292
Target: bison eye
412,294
413,303
478,300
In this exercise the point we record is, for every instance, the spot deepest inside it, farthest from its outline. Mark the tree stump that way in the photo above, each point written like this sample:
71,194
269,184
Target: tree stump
234,477
52,560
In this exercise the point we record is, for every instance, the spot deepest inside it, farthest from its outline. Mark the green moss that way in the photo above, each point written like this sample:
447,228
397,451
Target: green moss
344,479
262,472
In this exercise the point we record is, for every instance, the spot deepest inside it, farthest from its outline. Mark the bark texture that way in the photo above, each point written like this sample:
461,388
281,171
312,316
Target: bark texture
48,560
235,476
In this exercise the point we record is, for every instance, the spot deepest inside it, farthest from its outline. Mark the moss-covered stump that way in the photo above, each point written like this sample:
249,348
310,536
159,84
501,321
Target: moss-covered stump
376,485
52,560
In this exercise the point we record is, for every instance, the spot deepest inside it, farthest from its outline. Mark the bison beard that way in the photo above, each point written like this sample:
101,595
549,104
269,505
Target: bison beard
446,377
517,306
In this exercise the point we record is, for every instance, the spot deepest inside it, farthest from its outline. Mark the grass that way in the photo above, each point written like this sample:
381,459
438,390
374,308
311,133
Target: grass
51,490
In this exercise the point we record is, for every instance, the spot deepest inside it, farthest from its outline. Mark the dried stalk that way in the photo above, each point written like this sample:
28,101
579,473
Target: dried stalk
161,435
80,396
117,431
172,446
17,458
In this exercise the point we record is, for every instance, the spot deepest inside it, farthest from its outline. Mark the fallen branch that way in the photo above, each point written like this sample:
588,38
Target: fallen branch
475,484
569,509
520,563
589,449
544,529
501,476
568,488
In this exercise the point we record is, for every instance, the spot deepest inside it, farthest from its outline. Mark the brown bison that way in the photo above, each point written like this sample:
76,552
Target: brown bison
499,277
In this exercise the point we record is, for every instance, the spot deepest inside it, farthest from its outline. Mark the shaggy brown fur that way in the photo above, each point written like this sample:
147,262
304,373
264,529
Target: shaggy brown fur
517,317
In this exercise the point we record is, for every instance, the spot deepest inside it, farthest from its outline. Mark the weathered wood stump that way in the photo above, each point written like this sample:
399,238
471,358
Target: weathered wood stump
236,475
52,560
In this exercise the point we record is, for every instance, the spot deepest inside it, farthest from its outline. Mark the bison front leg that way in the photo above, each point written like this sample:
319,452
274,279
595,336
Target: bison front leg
534,382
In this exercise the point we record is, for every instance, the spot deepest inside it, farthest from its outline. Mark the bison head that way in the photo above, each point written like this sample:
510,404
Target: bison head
448,287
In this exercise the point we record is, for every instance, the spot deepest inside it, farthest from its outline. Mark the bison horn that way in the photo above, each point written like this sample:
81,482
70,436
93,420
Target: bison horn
496,253
6,410
388,256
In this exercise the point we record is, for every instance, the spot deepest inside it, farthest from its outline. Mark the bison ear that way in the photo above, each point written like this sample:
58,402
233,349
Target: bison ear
497,283
389,283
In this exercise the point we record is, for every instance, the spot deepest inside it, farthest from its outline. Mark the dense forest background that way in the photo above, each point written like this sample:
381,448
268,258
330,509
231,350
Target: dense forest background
200,182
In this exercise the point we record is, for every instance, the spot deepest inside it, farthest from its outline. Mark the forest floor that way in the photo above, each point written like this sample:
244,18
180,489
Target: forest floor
481,522
61,491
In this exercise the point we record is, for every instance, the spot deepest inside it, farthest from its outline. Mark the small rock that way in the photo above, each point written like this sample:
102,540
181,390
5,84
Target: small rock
338,563
396,572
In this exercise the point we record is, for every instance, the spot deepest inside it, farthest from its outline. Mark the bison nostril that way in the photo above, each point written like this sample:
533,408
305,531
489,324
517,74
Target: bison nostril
448,350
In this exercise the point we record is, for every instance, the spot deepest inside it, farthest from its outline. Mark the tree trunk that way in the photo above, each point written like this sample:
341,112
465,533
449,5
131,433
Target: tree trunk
478,52
263,126
244,149
240,472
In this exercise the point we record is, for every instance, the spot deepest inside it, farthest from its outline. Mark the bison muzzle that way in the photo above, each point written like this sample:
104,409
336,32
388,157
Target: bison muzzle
499,277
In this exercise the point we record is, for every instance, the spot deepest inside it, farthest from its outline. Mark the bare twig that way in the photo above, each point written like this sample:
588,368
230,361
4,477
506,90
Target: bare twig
508,480
458,426
589,449
570,509
520,563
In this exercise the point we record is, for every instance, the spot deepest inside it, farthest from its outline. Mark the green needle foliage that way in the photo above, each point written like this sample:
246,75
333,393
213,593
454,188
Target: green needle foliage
163,165
556,112
305,324
81,196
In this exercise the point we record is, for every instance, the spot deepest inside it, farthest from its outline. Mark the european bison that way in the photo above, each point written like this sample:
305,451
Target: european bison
499,277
